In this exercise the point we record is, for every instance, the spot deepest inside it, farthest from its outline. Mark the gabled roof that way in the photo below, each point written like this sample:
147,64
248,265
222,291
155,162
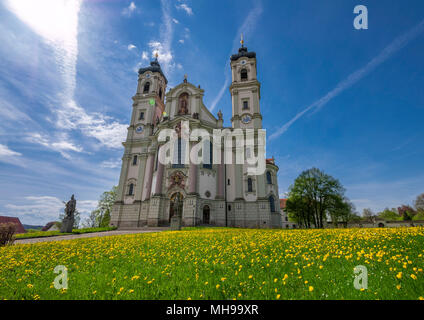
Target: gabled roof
48,226
19,227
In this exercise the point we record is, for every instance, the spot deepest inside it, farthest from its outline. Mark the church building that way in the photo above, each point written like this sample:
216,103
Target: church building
150,192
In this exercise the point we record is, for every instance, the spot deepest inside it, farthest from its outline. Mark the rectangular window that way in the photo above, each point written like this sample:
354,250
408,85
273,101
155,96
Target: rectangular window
141,116
207,154
228,182
135,161
245,105
179,154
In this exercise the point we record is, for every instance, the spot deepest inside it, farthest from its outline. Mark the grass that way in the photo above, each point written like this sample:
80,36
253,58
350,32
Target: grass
221,264
42,234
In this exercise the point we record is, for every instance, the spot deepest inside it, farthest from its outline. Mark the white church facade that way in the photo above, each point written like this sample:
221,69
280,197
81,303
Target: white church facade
209,193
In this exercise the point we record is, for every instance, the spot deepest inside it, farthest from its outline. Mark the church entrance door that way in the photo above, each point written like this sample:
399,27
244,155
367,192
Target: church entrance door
206,215
176,204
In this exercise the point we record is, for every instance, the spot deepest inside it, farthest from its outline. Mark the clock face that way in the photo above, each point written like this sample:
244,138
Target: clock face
148,75
243,62
139,129
246,119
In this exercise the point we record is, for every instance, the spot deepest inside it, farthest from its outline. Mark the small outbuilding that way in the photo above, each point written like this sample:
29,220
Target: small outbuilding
19,227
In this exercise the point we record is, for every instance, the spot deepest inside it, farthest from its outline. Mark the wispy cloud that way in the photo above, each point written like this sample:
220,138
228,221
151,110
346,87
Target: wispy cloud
186,8
62,145
162,47
131,47
130,10
247,29
63,39
8,155
353,78
111,164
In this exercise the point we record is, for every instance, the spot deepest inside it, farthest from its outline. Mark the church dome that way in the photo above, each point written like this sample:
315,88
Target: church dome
243,52
154,67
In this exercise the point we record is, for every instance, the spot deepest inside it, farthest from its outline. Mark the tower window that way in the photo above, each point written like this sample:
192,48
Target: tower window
243,75
131,189
245,105
268,177
134,161
272,203
228,182
249,185
146,88
160,93
141,116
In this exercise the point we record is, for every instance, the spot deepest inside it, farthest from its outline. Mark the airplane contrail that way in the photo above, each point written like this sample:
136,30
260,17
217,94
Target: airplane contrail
353,78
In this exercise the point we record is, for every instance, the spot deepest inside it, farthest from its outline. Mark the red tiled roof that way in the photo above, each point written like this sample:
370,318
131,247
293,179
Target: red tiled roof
270,161
19,227
283,203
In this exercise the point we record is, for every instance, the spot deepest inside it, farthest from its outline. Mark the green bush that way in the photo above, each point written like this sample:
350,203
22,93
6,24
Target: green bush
7,232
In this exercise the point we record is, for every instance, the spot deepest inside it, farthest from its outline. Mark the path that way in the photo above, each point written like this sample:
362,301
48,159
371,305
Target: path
89,235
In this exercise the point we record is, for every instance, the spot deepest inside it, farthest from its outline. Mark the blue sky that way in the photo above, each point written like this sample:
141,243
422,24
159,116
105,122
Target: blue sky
350,102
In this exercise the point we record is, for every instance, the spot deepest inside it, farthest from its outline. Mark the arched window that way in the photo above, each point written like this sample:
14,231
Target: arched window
160,93
249,185
268,177
146,88
272,203
131,189
243,75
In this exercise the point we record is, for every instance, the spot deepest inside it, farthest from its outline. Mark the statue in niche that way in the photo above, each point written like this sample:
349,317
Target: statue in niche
183,104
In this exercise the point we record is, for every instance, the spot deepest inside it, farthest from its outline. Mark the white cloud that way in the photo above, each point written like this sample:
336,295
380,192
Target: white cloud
8,155
175,21
39,210
108,131
186,8
60,31
181,41
112,163
62,144
164,53
131,47
145,55
353,78
128,11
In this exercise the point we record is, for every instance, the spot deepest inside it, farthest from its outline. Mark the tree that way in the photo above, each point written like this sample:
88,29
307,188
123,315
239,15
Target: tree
342,210
419,202
406,212
100,217
389,215
368,215
312,195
